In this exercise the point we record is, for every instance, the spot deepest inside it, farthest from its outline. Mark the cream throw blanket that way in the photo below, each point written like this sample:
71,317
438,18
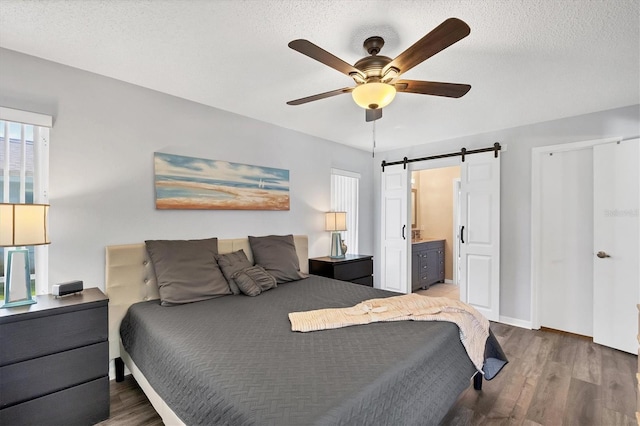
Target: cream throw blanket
474,327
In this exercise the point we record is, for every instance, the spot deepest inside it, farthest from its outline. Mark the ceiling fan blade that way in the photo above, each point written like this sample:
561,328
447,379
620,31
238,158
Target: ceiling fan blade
373,114
320,96
444,35
314,52
449,90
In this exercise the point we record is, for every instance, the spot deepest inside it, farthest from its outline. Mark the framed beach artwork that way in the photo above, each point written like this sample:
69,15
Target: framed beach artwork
200,184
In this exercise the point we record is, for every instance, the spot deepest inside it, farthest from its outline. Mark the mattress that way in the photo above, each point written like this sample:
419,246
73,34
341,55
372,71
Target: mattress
234,360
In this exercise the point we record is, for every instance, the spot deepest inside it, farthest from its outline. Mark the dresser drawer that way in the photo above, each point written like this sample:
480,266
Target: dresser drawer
23,340
351,270
30,379
85,404
368,281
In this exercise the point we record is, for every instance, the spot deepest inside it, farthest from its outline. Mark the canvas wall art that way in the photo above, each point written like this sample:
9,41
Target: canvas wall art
197,183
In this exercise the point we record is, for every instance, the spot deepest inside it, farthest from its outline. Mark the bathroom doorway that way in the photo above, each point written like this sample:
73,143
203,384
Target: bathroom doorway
435,196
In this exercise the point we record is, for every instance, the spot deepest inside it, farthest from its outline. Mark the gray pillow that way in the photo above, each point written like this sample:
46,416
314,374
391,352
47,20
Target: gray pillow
277,255
254,280
186,270
231,263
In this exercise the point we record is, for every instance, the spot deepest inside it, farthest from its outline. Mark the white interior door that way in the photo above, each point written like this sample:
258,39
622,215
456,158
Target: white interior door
616,281
480,234
396,230
566,240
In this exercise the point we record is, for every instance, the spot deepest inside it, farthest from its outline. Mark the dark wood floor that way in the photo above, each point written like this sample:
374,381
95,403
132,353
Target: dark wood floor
551,379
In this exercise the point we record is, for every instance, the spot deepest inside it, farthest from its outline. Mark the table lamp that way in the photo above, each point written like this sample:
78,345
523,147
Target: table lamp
21,225
335,222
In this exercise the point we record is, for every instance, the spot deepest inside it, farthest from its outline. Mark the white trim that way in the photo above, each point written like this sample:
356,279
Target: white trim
41,196
515,322
346,173
26,117
456,228
536,226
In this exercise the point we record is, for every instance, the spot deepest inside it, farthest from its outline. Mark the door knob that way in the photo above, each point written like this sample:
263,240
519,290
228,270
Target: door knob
602,255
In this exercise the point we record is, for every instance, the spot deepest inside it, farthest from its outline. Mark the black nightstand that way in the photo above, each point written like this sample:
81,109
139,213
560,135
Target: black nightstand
54,361
355,268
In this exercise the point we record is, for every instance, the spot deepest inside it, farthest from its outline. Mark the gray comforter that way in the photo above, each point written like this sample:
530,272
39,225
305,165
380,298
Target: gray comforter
234,360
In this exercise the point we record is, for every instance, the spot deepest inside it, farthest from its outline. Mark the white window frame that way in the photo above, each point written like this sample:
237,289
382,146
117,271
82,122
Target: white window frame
345,197
41,124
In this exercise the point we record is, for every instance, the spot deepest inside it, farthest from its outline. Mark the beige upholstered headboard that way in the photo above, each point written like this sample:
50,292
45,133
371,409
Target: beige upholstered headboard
129,278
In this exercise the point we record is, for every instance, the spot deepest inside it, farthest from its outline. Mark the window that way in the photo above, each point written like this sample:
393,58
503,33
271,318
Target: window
344,198
24,178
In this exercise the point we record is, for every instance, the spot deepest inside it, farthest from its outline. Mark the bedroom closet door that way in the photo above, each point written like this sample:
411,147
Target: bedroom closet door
616,251
585,244
566,273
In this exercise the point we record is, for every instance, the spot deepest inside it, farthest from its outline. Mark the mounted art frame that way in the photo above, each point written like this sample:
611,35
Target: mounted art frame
188,183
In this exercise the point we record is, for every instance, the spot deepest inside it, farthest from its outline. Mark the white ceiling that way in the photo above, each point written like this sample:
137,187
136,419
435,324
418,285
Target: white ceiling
527,60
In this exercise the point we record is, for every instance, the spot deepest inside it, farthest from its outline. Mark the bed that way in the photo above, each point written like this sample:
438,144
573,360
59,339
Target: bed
234,359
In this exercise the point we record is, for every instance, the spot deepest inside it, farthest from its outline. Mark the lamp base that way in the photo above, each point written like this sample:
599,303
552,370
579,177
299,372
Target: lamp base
19,303
336,246
17,283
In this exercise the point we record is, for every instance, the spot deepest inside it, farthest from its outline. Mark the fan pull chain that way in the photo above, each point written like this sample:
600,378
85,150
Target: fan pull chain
373,151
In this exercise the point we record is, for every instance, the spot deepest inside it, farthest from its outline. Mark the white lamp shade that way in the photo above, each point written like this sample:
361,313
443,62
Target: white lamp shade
373,95
24,225
335,221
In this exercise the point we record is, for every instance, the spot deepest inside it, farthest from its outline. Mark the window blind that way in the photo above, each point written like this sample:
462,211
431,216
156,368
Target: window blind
24,175
344,198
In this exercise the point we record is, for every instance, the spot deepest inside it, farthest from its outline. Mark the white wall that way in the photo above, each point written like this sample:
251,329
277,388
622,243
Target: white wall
515,226
101,167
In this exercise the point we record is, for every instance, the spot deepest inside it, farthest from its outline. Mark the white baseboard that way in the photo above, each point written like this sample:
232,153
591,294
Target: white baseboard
449,282
516,322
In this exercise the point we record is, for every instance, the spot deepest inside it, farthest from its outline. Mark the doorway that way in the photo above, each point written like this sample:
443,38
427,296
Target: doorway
479,227
435,208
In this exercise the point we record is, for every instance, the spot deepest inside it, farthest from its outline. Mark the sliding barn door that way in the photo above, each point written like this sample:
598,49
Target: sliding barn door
480,233
395,230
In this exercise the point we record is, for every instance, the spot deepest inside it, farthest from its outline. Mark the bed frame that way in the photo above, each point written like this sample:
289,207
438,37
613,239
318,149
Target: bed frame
130,278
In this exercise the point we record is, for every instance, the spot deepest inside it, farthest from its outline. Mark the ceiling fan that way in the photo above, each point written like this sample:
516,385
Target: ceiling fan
377,76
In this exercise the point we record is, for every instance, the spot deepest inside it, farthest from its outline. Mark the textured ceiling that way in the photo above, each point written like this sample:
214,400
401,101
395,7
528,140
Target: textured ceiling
527,60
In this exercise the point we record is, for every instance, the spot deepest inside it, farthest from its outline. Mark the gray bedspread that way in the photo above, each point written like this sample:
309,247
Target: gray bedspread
234,360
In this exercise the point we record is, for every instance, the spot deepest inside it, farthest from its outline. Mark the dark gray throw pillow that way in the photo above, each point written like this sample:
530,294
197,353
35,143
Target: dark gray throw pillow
277,255
254,280
230,263
187,270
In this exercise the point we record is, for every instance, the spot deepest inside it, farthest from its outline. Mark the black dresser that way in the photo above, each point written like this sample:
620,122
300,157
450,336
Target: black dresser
54,361
355,268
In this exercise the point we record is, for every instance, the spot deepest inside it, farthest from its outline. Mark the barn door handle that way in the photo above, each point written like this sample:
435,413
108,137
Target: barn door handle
403,228
602,255
462,234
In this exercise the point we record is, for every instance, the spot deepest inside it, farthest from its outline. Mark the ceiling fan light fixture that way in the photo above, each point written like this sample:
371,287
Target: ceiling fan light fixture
357,77
373,95
391,74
